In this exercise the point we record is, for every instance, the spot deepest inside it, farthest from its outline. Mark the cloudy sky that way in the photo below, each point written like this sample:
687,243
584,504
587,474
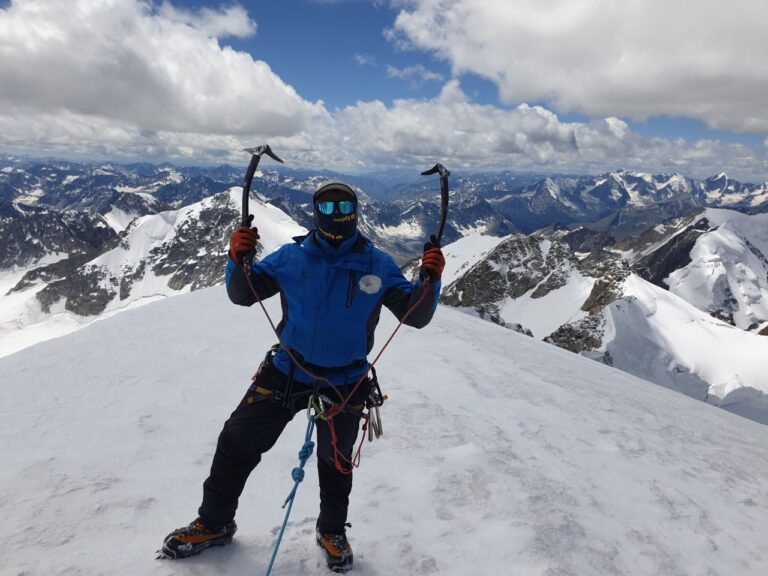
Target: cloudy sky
356,85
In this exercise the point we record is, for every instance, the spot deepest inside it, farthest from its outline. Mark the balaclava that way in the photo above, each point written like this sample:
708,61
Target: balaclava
335,228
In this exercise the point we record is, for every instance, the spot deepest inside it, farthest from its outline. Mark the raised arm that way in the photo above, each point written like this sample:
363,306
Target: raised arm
401,296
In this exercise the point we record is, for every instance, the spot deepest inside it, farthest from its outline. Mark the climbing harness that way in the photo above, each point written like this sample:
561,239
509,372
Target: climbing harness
329,409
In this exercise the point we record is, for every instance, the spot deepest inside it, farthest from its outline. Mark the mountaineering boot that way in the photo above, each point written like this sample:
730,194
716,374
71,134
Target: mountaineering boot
195,538
338,552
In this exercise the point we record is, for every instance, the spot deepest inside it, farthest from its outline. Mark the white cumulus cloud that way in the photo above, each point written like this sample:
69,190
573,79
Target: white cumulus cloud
156,69
126,80
452,129
416,73
696,58
230,21
365,59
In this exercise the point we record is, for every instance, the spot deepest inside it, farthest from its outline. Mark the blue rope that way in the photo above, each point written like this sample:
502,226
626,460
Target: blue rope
298,475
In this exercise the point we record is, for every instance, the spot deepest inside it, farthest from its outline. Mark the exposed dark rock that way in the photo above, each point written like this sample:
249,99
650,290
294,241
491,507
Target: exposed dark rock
581,336
83,293
518,328
128,278
33,233
511,269
610,273
51,272
631,221
194,258
190,190
586,240
756,251
559,260
724,302
603,293
197,254
673,255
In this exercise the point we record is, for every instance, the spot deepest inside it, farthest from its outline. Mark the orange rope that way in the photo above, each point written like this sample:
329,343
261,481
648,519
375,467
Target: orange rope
337,408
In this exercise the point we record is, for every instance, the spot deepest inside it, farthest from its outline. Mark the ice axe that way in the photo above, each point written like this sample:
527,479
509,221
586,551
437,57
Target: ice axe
256,154
436,239
247,218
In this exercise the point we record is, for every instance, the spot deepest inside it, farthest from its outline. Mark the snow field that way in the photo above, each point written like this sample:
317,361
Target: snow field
501,455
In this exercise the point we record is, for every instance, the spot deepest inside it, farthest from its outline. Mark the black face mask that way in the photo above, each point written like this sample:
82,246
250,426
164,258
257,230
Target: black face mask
335,228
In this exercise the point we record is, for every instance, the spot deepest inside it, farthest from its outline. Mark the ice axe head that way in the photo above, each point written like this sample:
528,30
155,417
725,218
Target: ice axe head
263,149
256,154
444,172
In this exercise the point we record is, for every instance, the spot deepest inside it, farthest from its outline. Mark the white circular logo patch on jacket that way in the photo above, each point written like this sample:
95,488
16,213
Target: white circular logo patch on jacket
370,284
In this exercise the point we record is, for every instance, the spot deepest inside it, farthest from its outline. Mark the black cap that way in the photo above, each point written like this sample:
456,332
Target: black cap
335,185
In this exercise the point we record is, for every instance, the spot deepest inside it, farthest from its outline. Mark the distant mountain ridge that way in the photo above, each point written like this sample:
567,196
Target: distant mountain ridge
78,242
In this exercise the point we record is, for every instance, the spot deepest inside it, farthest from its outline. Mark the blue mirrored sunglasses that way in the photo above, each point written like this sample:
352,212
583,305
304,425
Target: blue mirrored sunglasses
327,207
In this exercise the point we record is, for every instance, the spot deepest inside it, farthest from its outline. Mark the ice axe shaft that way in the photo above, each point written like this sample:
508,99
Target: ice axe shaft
444,173
256,154
246,220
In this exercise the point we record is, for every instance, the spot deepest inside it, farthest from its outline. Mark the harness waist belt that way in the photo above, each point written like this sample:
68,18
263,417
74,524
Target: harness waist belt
324,370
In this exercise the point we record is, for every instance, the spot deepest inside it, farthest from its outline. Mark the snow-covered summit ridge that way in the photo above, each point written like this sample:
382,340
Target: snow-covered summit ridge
728,271
501,455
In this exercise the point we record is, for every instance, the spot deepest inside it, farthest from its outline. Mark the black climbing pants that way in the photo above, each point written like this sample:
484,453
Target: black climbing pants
254,427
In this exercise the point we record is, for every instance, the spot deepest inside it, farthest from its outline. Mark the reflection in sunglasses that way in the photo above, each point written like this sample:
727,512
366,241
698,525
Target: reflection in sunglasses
327,207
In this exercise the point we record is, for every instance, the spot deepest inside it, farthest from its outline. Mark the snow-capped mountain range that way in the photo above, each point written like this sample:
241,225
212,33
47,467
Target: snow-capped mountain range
501,455
625,200
156,256
684,304
79,243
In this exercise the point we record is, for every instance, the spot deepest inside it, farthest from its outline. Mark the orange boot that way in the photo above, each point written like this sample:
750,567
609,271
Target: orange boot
195,538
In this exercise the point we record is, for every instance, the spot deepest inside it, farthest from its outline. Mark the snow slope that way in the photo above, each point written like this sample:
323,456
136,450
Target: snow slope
657,336
729,268
502,455
544,315
462,254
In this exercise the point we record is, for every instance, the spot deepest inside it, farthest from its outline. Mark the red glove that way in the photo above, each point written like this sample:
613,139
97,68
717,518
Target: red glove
242,243
433,261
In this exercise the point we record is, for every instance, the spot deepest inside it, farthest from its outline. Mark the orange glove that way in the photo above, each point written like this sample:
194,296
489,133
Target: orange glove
242,243
433,261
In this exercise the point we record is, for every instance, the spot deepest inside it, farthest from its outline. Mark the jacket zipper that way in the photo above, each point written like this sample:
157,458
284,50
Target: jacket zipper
351,289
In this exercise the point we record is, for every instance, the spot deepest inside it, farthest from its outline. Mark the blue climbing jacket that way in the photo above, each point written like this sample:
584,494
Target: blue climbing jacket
331,301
